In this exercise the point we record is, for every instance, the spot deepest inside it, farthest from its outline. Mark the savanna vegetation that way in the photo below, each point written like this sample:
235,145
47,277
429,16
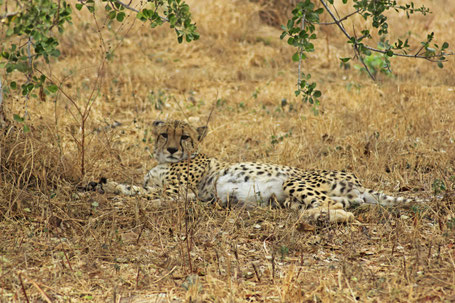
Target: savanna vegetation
113,76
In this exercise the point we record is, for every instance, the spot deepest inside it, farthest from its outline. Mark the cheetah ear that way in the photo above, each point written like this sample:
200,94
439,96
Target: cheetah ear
201,132
157,123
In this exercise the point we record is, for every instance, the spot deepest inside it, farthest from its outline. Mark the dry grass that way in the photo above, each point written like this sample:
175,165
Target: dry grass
397,134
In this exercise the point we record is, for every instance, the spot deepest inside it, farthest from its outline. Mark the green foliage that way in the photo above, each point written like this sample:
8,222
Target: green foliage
438,186
300,29
39,23
277,139
308,90
284,252
451,223
300,32
376,63
159,99
20,119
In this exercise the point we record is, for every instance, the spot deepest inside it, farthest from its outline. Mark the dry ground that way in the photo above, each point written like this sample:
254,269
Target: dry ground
397,134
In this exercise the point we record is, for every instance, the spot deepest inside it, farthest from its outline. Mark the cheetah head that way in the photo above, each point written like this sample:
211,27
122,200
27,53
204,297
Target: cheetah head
176,140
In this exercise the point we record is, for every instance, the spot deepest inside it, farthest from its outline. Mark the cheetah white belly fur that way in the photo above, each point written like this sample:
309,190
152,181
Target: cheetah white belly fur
251,184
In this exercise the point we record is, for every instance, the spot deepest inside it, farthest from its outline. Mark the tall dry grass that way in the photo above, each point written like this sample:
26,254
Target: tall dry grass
397,134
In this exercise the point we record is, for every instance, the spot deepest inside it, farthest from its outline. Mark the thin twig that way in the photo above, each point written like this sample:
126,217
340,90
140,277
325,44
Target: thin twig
23,289
67,260
341,19
356,50
212,110
46,297
256,272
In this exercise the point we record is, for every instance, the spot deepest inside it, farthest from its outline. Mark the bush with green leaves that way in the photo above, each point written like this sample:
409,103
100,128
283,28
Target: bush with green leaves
38,22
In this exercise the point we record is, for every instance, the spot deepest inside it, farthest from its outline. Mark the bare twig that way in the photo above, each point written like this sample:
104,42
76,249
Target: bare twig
256,272
23,289
67,260
127,6
212,110
341,19
45,296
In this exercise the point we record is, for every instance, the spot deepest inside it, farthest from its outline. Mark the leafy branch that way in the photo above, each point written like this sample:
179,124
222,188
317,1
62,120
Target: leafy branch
300,31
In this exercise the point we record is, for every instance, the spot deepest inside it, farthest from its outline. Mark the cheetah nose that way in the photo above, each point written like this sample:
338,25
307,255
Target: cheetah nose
172,150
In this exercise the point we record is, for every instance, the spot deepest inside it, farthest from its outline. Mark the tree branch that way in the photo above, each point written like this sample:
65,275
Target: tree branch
342,19
340,25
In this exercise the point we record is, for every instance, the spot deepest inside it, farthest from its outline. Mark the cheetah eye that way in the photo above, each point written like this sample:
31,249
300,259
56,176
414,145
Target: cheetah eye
164,135
185,137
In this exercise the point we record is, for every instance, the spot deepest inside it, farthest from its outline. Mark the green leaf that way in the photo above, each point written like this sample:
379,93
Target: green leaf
120,16
290,24
295,57
440,65
389,53
112,15
26,128
345,59
18,118
55,53
317,94
79,6
445,45
13,85
52,88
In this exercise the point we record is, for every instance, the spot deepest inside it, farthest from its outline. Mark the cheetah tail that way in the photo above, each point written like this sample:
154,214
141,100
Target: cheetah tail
370,196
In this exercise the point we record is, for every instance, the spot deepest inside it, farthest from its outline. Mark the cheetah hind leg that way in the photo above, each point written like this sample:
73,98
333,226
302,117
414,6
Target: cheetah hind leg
313,202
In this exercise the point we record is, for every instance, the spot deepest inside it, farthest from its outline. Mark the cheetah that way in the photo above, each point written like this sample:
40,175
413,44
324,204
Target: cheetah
183,171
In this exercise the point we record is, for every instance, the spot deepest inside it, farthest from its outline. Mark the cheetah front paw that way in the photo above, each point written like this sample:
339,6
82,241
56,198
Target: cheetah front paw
331,215
93,186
